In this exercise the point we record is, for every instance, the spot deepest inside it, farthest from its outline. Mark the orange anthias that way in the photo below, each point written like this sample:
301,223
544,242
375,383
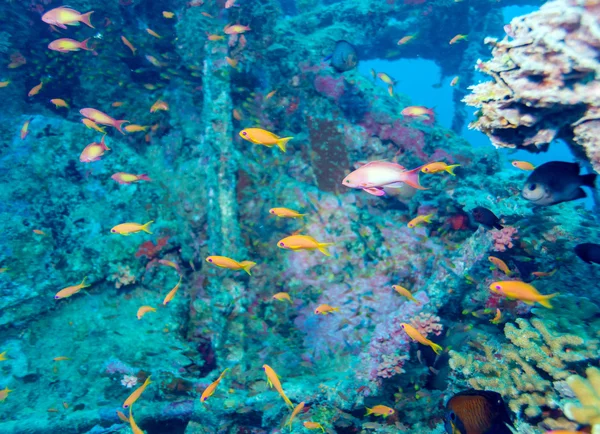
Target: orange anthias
64,16
102,118
65,45
93,151
210,390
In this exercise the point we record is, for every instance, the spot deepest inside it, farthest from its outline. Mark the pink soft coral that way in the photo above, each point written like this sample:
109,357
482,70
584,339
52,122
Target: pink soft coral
427,323
504,238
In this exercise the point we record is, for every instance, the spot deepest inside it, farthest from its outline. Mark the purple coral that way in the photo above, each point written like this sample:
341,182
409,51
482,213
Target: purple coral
427,323
329,86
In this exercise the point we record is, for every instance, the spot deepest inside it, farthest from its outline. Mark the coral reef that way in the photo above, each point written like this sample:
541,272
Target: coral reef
545,83
588,394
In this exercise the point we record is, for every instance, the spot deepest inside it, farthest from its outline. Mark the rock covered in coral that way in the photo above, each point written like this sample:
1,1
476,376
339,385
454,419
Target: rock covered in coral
545,83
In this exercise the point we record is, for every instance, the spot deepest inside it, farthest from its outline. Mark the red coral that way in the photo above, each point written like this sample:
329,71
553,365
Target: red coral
150,250
329,86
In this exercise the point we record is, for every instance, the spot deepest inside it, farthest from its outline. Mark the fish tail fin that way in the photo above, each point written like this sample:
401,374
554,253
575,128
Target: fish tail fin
411,177
498,226
544,301
146,227
287,400
322,248
83,284
119,124
144,177
450,169
83,45
335,309
427,218
589,180
282,142
436,348
369,411
103,143
148,379
247,265
85,19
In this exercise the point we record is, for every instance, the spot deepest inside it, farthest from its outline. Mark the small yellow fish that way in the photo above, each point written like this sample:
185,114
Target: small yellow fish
414,334
37,231
129,44
168,14
325,309
153,33
285,212
295,412
282,296
497,318
259,136
523,165
172,293
380,410
522,291
4,83
232,62
455,81
133,128
35,90
60,358
405,292
4,393
159,105
500,264
59,103
131,228
225,262
143,310
136,394
439,167
134,428
70,290
3,356
271,94
313,425
93,125
210,390
386,78
303,242
215,37
458,38
273,381
391,90
420,219
122,417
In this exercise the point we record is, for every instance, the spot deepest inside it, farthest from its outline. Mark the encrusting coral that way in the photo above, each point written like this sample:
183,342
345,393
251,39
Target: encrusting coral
544,85
524,370
588,393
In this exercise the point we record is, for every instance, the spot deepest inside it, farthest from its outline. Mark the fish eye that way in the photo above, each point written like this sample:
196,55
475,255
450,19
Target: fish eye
402,326
347,181
391,411
498,287
112,231
209,260
125,406
56,297
426,169
244,133
281,244
532,187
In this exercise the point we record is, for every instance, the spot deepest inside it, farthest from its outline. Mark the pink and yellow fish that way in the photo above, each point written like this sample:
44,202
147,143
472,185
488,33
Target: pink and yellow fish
70,290
303,242
64,16
131,228
285,212
129,178
231,264
273,381
266,138
376,176
414,334
522,291
66,45
210,390
102,118
93,151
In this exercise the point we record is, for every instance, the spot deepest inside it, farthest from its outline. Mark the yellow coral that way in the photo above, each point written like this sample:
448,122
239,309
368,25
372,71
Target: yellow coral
588,393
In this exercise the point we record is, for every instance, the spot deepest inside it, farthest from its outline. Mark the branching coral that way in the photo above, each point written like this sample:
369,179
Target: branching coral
588,393
544,84
523,371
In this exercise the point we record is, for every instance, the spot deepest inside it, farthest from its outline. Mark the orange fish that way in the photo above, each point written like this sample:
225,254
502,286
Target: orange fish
439,167
455,81
25,129
406,39
380,410
4,393
154,61
159,105
64,16
93,151
416,336
153,33
232,62
60,358
297,410
102,118
229,4
168,14
325,309
497,318
225,262
133,128
237,115
458,38
128,178
93,125
169,264
420,219
143,310
70,290
4,83
37,231
271,94
206,14
136,394
417,112
405,292
386,78
514,289
134,428
313,425
128,44
303,242
35,90
210,390
285,212
131,228
215,37
500,264
117,104
122,417
236,29
273,381
66,45
523,165
266,138
59,103
172,293
283,296
543,273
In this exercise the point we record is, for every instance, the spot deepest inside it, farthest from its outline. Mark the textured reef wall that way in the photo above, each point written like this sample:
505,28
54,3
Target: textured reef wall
71,363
